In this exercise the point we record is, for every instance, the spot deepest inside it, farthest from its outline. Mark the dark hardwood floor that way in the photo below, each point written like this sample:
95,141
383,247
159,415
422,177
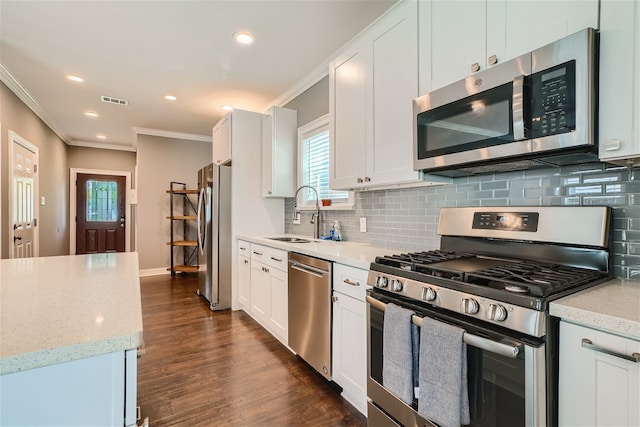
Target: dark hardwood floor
204,368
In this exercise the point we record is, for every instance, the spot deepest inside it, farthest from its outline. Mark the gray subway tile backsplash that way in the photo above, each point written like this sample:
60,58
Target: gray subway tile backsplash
406,219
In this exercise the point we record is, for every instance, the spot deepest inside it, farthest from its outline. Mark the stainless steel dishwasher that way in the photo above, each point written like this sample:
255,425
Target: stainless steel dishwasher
310,310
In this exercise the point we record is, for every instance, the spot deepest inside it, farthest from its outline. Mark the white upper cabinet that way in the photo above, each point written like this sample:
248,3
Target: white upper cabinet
371,88
279,141
619,113
459,38
221,141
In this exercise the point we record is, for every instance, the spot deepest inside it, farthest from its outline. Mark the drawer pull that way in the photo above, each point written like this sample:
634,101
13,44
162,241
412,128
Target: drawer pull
586,343
276,259
351,282
242,248
257,253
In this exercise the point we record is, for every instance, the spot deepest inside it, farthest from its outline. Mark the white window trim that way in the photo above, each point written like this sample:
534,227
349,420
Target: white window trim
302,132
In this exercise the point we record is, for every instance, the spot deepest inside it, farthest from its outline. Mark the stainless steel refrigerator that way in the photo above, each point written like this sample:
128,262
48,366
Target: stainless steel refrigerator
214,235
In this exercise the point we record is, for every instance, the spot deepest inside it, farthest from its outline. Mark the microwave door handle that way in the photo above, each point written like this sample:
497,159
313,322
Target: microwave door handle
507,350
518,108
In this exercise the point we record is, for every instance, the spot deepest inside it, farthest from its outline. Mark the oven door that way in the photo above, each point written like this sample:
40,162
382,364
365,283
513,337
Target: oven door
482,117
506,375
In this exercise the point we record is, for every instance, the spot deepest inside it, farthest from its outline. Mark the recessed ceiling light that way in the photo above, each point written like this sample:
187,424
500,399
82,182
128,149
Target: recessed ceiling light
75,78
92,114
101,136
227,108
243,37
170,97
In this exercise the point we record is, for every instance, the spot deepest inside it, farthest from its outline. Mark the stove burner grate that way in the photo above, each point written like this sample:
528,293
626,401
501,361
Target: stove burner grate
416,261
537,279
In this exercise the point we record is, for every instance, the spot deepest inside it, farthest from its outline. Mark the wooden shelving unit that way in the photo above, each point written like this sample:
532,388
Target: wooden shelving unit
187,243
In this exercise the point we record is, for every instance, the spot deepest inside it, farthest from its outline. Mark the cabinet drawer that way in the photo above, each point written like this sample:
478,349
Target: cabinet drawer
244,248
277,258
259,253
350,281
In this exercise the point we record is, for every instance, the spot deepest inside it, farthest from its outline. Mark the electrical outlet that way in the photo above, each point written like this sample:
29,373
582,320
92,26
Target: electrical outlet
363,225
296,219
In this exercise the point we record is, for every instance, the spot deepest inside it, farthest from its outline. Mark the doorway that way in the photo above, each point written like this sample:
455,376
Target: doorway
23,194
100,211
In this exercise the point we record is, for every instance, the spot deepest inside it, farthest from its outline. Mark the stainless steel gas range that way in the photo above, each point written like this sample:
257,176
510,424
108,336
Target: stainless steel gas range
495,273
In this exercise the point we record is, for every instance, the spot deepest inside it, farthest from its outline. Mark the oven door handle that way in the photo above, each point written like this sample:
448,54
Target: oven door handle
511,350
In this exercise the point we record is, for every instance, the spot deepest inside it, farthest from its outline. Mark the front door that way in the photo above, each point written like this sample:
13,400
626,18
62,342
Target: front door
100,213
23,194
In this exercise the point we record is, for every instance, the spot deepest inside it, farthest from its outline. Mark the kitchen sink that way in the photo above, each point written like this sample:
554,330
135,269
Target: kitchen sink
289,239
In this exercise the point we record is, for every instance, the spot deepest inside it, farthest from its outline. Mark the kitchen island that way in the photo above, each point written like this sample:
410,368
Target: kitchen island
69,330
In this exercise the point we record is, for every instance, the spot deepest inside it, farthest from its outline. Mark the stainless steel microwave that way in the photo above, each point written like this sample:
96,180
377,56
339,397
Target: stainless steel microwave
538,109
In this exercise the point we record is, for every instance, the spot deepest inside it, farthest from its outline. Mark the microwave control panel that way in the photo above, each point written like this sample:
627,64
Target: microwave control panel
553,93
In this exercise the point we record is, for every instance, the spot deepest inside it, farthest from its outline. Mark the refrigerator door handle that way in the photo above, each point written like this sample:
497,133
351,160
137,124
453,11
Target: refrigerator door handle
201,236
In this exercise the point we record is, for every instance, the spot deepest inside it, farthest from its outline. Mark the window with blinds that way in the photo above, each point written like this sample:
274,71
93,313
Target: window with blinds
314,166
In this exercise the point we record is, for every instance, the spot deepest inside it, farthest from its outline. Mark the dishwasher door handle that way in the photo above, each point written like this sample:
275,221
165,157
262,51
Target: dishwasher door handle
307,269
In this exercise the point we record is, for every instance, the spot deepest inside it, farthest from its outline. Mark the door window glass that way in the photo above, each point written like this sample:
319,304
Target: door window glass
102,199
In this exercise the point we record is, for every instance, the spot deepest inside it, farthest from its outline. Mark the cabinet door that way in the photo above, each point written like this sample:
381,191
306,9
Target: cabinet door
244,282
279,319
395,84
515,27
452,39
279,142
596,388
348,82
619,104
260,291
350,348
221,141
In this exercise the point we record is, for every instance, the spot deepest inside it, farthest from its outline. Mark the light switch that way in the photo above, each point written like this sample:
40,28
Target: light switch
41,200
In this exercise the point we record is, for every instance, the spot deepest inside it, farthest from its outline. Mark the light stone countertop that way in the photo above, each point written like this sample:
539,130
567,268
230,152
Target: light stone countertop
613,306
58,309
354,254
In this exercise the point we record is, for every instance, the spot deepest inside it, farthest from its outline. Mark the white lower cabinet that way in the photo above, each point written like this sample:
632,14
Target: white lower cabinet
244,274
268,284
95,391
597,385
349,334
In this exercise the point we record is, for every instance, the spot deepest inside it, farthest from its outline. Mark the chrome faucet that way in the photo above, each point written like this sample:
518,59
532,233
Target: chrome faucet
315,218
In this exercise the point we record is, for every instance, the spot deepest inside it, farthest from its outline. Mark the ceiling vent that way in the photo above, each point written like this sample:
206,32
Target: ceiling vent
116,101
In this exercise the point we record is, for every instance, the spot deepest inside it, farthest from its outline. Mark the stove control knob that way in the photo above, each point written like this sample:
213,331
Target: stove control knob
428,294
496,312
381,282
469,306
396,285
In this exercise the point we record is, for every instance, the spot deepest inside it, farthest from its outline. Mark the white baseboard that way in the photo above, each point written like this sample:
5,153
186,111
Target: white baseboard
154,272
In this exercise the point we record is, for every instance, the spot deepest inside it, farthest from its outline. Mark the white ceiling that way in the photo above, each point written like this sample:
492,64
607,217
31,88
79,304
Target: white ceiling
142,50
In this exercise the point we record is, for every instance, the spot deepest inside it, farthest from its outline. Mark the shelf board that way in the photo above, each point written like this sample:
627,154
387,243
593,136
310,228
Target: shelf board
186,217
184,268
183,191
184,243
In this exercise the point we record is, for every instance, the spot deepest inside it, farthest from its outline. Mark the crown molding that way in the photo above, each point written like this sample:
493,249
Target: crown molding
317,74
102,145
16,87
170,134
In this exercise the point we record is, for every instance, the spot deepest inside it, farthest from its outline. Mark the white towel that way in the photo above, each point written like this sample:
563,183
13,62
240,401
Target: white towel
443,396
397,357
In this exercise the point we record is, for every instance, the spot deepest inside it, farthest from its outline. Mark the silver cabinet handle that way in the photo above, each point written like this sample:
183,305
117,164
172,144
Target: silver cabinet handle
493,60
586,343
367,179
359,180
246,261
475,67
351,282
242,248
257,253
276,259
518,108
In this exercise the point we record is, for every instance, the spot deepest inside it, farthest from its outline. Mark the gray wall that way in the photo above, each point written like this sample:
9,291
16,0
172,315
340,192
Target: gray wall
53,175
407,219
312,103
160,161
